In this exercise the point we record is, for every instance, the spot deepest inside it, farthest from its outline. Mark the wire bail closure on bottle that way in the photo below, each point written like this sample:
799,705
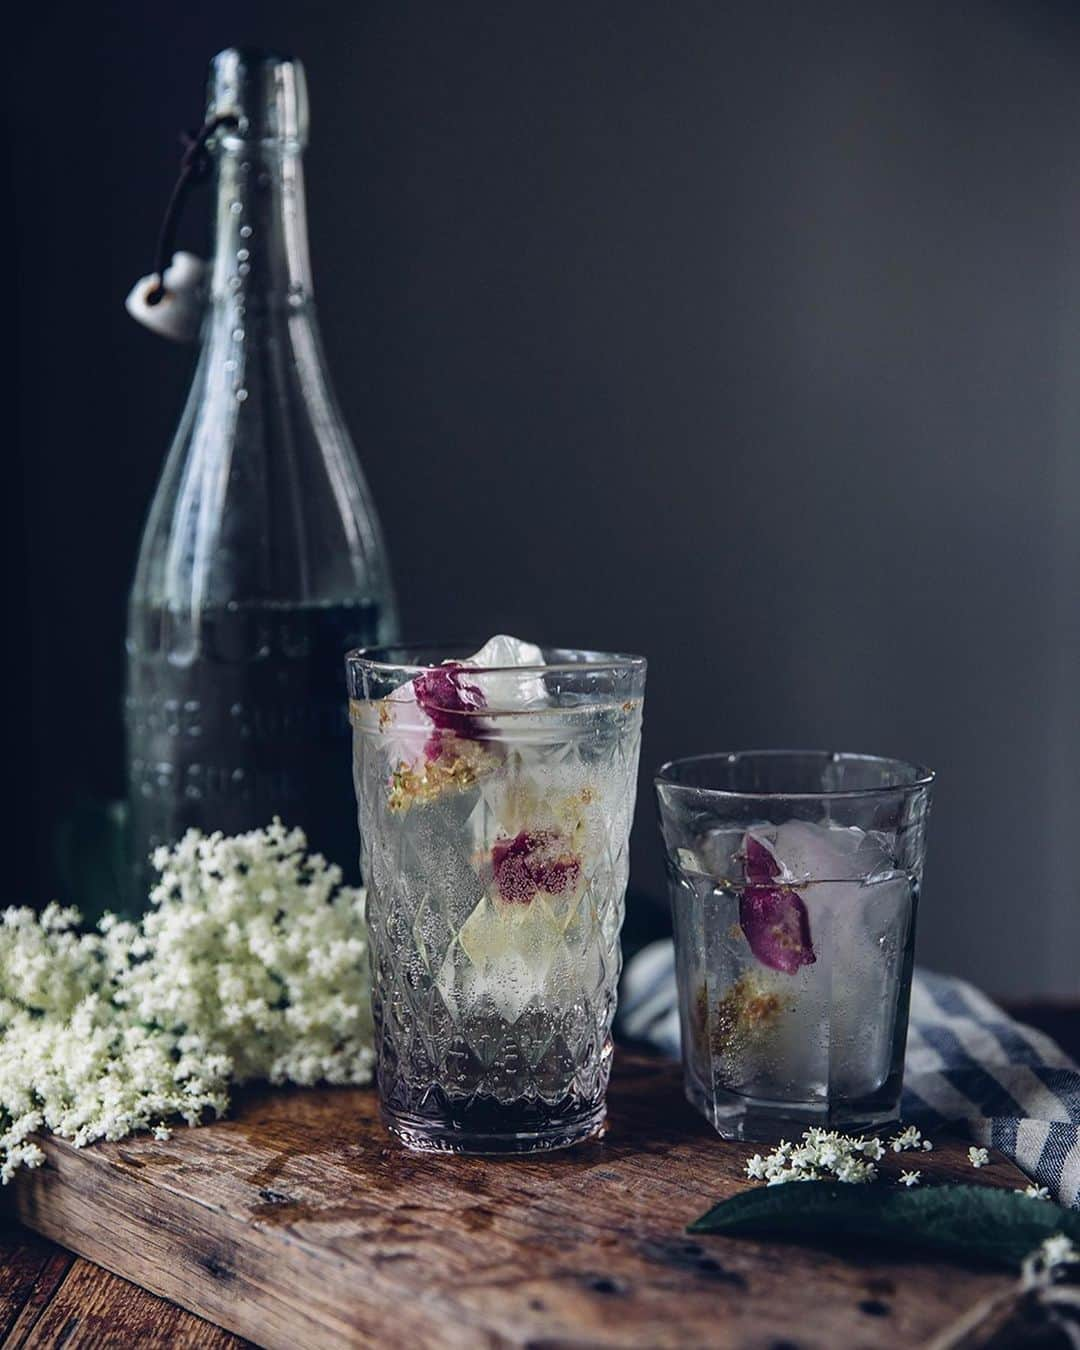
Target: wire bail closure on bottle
194,168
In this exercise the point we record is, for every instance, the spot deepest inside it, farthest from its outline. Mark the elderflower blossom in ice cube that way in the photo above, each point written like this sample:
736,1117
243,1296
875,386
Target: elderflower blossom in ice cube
794,881
495,793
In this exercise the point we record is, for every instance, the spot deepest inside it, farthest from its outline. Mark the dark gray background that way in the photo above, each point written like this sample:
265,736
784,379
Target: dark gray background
742,335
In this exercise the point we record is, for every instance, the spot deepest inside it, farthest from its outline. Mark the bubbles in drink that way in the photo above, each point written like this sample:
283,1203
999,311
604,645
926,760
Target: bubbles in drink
495,823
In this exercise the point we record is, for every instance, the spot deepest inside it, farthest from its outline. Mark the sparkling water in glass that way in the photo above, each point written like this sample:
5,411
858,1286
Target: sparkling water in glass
495,803
794,880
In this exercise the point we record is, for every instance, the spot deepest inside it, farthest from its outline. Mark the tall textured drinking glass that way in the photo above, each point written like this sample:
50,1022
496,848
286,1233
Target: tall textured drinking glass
495,803
794,879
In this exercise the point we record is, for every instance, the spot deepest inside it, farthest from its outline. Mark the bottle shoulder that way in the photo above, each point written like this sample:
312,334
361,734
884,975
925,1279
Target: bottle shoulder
262,493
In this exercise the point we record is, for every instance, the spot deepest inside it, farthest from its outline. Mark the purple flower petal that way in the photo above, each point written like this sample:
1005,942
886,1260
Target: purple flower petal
758,863
534,860
451,703
777,927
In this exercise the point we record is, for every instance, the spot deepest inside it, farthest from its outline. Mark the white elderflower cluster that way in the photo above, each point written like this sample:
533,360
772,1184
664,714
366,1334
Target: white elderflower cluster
251,964
978,1157
822,1155
257,941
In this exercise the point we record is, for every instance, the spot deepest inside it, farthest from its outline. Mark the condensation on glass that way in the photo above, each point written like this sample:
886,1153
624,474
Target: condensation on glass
794,880
495,809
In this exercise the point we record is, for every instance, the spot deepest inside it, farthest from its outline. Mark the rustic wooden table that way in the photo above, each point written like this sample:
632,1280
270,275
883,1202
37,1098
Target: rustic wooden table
588,1251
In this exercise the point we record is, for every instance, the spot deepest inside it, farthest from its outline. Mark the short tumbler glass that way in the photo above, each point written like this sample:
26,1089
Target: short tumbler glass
495,809
794,880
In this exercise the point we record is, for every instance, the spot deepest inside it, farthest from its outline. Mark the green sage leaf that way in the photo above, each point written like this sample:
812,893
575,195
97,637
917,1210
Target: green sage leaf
978,1223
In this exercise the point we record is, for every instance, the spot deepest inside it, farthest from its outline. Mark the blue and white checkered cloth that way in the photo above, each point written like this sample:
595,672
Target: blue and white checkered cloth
967,1061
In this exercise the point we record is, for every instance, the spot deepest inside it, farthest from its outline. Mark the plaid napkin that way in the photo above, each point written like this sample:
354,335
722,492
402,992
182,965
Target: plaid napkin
967,1061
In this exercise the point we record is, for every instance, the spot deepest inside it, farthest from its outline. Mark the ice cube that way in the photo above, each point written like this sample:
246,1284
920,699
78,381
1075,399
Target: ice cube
509,691
446,699
719,853
823,852
870,923
858,907
503,960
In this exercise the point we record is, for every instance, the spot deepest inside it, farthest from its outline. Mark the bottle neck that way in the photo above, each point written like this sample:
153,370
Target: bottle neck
261,245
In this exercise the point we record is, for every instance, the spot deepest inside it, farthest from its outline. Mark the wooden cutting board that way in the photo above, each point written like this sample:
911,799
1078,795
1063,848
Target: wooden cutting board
298,1222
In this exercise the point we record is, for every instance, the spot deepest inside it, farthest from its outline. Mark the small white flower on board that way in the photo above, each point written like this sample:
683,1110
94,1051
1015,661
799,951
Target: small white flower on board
909,1137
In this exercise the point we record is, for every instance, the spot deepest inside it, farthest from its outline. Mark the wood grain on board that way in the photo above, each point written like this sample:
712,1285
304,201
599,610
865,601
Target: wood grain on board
50,1298
298,1222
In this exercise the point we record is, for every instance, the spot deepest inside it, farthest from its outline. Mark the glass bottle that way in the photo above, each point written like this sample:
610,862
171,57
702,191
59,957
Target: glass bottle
262,560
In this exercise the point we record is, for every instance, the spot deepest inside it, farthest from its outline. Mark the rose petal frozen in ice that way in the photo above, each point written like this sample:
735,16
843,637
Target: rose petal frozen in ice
777,927
773,918
452,704
758,863
444,699
533,861
414,718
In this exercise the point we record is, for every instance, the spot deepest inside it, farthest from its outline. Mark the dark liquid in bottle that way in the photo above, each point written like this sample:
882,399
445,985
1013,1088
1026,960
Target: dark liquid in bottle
241,718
